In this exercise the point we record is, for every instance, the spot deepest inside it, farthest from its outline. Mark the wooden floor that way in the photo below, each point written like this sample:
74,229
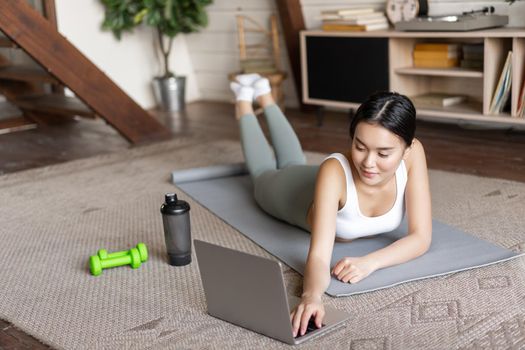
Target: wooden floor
466,149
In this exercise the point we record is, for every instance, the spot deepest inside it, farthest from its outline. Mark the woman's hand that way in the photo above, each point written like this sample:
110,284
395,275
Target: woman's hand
353,270
308,307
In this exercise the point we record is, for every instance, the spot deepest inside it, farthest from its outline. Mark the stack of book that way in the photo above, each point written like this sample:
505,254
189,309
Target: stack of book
502,92
472,56
357,19
436,55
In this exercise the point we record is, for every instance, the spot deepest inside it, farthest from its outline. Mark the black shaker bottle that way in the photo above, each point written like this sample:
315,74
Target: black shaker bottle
176,222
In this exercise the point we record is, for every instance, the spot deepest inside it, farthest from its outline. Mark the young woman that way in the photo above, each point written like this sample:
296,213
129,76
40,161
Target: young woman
361,192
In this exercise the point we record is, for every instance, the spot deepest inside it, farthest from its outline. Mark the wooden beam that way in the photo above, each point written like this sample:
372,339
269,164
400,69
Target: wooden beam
43,118
57,104
50,13
33,33
292,22
5,42
26,73
15,124
14,89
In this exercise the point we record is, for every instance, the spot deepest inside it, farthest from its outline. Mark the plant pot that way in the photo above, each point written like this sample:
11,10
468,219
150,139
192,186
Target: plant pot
170,93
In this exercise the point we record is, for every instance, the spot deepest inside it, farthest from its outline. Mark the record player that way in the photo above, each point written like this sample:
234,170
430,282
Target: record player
411,15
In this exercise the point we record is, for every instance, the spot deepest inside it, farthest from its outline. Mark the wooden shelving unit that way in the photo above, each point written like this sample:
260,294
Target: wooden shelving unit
478,85
450,72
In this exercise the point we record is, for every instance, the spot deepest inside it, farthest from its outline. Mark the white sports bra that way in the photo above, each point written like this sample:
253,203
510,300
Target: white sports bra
351,223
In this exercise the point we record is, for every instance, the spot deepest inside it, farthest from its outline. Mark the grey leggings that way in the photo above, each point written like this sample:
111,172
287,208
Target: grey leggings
284,185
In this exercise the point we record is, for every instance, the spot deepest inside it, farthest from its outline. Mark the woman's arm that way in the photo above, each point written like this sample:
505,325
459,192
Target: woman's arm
419,213
328,193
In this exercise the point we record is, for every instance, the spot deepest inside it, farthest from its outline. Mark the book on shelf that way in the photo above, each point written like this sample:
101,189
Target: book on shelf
348,11
471,64
436,63
357,21
437,100
364,16
354,28
435,55
521,101
477,48
436,47
473,56
502,91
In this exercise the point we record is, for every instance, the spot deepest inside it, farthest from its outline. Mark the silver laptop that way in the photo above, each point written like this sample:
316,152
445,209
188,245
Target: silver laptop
249,291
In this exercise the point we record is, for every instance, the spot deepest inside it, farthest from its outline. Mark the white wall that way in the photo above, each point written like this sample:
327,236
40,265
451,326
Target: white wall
207,57
131,62
215,53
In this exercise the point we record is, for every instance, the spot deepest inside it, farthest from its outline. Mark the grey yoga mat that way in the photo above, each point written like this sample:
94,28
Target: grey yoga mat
231,199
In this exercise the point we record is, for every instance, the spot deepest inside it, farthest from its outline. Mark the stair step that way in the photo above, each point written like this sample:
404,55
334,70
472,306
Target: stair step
15,124
24,73
6,42
54,104
40,39
8,110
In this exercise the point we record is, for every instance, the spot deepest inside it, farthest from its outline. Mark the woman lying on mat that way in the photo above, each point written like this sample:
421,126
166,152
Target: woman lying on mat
361,192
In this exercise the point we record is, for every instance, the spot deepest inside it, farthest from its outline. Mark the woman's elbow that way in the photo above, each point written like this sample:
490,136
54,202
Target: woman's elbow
420,242
424,243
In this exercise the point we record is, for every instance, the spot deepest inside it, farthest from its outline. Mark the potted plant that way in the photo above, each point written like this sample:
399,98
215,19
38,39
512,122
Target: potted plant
168,18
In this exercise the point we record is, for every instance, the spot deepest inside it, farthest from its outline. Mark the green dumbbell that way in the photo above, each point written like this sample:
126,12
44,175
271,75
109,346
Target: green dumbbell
141,247
132,258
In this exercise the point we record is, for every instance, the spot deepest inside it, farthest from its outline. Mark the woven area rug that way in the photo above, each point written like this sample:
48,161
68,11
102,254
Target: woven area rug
54,218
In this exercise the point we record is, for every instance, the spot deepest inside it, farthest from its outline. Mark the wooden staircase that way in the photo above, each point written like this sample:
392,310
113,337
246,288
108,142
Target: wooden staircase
38,91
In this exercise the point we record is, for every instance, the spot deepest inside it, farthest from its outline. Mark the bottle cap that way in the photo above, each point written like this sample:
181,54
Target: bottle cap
170,197
173,205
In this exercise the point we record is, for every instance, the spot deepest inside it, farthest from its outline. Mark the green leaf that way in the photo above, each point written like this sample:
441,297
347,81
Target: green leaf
140,16
170,17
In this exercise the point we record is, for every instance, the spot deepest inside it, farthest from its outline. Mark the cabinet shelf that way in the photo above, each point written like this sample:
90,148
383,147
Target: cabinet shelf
341,68
468,108
503,118
441,72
